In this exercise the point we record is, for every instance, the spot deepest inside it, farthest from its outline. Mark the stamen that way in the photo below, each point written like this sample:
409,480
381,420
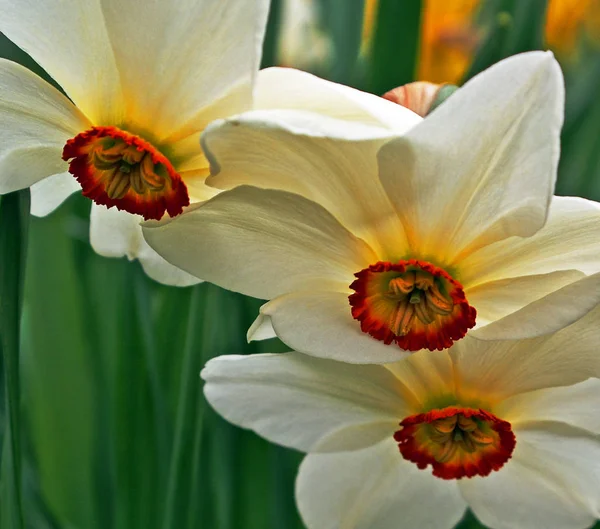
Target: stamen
402,284
456,442
116,168
412,303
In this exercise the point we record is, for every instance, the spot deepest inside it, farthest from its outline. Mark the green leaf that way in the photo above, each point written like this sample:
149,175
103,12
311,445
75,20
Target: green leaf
14,225
205,448
395,45
343,21
511,27
58,378
269,53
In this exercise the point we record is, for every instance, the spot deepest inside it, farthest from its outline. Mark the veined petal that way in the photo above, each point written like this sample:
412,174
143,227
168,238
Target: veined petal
575,405
199,52
482,166
550,482
115,233
296,400
197,189
263,243
319,323
51,192
330,161
287,88
69,40
497,299
374,488
568,241
547,314
35,122
427,376
502,369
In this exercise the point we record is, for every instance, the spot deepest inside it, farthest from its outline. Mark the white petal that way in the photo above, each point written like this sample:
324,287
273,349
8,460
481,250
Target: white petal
69,40
482,166
548,314
427,376
115,233
296,400
320,323
51,192
332,162
279,88
497,299
36,120
551,482
501,369
575,405
262,243
177,58
568,241
261,329
374,488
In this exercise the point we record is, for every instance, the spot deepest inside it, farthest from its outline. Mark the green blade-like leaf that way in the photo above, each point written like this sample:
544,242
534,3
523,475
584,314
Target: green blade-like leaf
58,379
14,225
393,56
269,52
343,20
511,27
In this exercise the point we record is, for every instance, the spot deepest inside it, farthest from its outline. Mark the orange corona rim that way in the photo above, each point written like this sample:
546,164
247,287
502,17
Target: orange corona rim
116,168
412,303
456,442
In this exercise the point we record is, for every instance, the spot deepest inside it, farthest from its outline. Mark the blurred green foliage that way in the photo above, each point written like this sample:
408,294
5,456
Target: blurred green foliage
115,432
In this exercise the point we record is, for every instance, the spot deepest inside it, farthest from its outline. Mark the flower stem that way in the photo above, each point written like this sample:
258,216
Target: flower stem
14,224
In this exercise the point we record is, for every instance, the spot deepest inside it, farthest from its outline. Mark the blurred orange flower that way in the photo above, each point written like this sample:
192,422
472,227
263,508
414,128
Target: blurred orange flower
448,40
450,34
565,22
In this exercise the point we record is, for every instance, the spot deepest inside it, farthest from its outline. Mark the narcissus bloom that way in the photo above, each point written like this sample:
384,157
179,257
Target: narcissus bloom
143,79
508,429
399,243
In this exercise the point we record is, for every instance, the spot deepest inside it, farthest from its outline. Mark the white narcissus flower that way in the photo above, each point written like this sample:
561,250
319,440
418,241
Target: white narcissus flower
369,242
510,429
143,80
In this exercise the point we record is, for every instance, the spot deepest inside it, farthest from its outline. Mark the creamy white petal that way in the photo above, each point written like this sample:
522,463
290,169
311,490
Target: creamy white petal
330,161
548,314
177,58
296,400
263,243
577,405
115,233
319,323
568,241
51,192
426,375
482,166
287,88
500,369
261,329
374,488
551,482
35,122
69,40
497,299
